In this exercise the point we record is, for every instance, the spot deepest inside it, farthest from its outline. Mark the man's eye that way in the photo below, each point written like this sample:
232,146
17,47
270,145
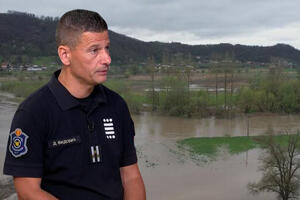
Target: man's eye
94,51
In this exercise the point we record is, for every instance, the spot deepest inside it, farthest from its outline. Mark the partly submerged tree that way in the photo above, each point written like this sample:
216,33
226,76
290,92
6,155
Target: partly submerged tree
151,70
280,164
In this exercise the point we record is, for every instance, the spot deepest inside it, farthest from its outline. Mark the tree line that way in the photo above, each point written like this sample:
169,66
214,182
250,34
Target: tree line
170,92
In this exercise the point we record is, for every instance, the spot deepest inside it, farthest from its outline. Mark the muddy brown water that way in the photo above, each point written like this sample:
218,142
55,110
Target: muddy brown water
171,173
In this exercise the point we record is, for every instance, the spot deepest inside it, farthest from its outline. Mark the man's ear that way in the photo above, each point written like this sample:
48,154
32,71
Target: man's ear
64,53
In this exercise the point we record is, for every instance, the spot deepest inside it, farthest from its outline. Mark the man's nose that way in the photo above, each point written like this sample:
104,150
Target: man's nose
105,57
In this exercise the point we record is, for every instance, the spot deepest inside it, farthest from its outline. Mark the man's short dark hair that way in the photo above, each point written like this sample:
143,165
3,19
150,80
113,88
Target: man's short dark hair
73,23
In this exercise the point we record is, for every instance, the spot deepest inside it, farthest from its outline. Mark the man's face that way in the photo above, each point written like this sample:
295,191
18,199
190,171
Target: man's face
90,58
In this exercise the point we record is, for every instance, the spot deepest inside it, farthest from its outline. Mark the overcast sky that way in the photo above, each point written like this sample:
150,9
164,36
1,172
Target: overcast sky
250,22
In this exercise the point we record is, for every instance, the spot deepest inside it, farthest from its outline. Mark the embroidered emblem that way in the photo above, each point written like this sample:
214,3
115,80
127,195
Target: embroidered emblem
109,128
18,143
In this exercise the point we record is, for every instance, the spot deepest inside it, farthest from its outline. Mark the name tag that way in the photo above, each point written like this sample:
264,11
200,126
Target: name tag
63,142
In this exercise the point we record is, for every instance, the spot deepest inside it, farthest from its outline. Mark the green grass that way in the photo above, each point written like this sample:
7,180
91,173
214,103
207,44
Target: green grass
23,83
21,88
123,87
209,146
43,60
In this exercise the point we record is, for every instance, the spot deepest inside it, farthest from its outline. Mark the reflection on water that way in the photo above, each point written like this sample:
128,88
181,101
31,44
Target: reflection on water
153,127
180,178
170,173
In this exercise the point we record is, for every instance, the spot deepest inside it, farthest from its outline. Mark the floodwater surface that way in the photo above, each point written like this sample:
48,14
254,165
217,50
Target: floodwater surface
171,173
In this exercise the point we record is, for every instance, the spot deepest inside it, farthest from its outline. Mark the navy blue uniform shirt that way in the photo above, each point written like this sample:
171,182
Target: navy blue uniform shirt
77,150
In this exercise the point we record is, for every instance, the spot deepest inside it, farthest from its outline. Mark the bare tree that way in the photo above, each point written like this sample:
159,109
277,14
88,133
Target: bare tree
228,66
215,69
280,164
151,69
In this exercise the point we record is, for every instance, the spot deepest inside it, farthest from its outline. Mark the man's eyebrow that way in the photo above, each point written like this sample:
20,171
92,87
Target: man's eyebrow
94,46
98,46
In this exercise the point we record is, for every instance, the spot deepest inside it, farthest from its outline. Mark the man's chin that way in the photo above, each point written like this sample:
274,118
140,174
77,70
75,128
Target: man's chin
101,80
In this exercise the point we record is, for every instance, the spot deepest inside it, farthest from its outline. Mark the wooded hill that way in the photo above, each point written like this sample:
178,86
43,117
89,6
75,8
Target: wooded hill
24,36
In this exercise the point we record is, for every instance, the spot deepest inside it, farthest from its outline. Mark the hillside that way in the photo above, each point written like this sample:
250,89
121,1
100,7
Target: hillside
23,36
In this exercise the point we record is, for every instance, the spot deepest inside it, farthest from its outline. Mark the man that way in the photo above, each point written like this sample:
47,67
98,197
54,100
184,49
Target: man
74,138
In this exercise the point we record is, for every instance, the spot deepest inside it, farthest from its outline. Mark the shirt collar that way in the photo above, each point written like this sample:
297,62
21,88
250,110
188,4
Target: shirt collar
65,99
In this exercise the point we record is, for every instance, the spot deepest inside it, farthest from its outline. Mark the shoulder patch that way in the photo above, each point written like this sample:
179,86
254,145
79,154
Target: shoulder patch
18,143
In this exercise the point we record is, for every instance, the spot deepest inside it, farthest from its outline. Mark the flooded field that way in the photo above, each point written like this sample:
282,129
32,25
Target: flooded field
153,127
173,174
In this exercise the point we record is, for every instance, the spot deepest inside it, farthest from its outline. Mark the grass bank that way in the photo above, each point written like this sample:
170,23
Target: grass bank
209,146
21,89
25,83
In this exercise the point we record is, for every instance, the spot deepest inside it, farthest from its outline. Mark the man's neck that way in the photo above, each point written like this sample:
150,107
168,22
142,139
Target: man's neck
73,85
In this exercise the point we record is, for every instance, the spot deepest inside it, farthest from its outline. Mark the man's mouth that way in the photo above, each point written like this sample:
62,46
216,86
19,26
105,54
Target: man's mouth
104,72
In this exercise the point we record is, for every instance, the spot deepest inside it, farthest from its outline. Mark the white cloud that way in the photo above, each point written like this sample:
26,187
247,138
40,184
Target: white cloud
288,34
259,22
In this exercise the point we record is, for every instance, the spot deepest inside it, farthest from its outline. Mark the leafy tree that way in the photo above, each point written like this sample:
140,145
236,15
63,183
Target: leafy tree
287,97
174,99
245,99
124,89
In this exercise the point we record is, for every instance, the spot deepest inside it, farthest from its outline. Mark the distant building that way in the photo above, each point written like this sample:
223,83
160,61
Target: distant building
34,69
4,66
